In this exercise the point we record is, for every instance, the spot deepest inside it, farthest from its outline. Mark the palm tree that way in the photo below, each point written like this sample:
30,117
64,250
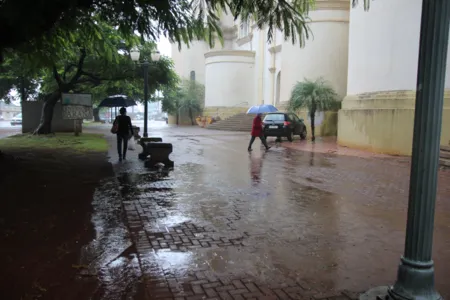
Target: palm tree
315,96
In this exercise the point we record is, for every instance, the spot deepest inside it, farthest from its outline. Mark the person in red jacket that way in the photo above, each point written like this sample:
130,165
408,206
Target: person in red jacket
257,131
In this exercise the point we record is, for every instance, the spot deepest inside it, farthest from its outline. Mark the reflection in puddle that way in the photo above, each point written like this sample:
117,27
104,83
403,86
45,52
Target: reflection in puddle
110,257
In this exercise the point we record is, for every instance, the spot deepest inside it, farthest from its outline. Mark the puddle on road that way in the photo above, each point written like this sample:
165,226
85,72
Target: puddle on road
268,249
111,257
259,223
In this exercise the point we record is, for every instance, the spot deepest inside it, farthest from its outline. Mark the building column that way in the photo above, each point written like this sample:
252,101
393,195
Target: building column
378,112
262,54
272,82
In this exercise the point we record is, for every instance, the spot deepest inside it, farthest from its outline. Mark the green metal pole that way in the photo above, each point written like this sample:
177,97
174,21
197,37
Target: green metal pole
146,65
415,277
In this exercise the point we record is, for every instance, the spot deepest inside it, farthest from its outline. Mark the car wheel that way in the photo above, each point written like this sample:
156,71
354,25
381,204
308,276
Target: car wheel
303,134
290,136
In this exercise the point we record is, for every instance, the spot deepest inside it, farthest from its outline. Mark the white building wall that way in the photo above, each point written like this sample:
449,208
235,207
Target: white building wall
230,78
191,59
384,47
324,55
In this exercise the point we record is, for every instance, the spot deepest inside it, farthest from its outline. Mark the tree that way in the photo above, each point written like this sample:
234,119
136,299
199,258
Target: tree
188,97
172,101
315,96
193,98
14,77
95,55
180,20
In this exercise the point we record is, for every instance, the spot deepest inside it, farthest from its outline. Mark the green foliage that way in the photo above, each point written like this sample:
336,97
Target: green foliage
171,100
193,95
187,95
54,23
314,96
59,47
92,63
13,76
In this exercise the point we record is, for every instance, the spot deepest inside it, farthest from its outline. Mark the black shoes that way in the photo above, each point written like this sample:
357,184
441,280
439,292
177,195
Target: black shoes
250,149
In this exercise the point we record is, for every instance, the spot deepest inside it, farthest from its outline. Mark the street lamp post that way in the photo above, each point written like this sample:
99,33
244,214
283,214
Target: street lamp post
155,56
415,276
145,65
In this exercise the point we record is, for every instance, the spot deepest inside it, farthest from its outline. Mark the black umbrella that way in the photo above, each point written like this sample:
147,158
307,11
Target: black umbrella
117,101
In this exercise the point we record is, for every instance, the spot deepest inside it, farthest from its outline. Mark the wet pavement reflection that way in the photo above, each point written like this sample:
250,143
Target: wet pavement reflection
226,224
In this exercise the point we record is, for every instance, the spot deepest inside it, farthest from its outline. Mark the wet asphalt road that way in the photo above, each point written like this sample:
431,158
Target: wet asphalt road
225,224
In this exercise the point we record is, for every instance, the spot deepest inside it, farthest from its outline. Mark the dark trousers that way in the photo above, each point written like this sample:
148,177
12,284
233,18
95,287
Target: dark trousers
263,141
122,139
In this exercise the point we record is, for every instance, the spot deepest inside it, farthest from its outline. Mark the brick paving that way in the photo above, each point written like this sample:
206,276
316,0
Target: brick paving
199,282
315,226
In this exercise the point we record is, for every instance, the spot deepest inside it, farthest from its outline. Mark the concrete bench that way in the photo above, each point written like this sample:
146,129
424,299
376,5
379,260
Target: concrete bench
144,142
159,153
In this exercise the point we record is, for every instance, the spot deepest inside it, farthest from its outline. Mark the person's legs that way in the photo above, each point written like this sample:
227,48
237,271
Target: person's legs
119,146
251,143
263,141
125,146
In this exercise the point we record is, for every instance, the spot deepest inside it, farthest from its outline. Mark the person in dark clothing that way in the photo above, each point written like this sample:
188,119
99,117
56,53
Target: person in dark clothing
257,131
124,130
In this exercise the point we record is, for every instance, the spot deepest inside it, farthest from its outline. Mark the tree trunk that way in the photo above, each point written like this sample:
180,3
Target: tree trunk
23,97
313,127
190,116
178,118
45,125
96,112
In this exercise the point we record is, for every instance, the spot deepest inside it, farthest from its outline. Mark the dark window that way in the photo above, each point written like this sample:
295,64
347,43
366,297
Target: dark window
294,117
192,75
275,117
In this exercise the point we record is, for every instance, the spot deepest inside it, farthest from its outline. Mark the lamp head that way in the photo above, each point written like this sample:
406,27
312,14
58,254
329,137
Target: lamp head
156,56
134,53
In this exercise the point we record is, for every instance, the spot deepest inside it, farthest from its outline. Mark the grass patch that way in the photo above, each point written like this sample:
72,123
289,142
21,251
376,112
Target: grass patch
86,142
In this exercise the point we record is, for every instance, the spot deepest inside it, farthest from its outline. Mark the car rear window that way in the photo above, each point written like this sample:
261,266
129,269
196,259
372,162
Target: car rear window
274,117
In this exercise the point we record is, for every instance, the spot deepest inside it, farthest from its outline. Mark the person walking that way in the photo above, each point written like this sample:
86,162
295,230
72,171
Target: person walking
124,129
257,131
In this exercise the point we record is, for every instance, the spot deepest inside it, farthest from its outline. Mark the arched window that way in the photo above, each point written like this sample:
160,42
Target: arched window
192,75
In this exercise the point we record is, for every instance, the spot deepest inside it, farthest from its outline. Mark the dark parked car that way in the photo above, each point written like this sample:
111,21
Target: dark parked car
284,125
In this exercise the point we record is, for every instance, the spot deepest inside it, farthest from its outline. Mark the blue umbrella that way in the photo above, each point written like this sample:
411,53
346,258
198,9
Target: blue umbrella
262,109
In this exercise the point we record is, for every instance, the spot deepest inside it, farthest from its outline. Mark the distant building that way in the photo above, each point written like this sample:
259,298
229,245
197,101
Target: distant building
370,58
8,111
